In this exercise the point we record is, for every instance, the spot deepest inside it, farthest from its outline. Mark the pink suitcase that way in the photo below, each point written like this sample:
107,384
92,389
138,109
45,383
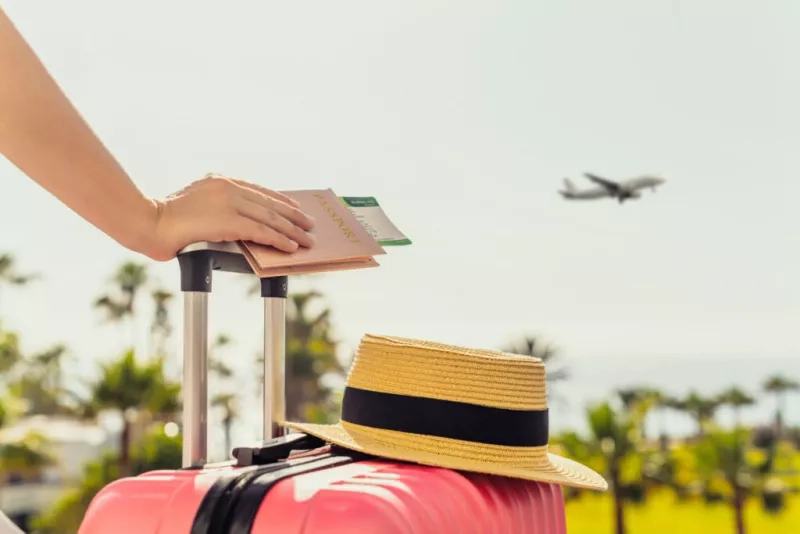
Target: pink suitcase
293,483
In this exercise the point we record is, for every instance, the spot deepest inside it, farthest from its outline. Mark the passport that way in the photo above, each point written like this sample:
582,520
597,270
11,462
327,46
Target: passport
342,242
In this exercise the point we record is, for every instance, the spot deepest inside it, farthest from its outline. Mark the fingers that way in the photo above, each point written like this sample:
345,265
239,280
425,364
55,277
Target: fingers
261,215
273,219
268,192
252,230
290,213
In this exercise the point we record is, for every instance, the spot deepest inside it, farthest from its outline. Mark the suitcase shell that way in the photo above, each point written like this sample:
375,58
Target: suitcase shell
363,496
366,497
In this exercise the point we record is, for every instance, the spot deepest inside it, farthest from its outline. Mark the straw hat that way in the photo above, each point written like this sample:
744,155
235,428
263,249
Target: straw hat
464,409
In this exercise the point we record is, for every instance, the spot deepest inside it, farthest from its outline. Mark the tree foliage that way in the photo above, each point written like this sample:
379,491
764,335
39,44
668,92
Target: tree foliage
713,465
125,385
311,355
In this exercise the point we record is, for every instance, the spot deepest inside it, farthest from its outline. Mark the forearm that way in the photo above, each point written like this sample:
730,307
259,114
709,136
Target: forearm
46,138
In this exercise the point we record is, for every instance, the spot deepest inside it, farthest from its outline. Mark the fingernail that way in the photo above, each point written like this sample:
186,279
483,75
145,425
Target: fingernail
312,238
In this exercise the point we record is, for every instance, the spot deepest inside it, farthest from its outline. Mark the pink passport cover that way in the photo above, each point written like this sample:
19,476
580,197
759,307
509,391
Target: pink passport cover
341,242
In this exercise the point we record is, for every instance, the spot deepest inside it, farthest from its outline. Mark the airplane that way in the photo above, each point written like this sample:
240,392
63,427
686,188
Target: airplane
622,191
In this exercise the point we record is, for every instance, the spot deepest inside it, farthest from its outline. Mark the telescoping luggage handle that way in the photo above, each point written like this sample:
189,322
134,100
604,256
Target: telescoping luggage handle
197,264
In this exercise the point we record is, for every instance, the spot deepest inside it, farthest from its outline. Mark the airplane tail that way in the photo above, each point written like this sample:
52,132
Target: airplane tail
569,187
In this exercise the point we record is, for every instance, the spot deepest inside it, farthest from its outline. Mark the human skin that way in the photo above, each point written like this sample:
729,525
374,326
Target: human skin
44,136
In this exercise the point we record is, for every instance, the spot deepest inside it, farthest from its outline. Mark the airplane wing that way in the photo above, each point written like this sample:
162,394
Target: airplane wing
612,187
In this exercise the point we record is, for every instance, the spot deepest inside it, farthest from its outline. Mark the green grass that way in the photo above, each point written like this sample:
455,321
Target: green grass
592,514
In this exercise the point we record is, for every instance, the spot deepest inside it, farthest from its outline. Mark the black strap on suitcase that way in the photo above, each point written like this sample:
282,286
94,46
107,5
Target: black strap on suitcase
233,501
231,504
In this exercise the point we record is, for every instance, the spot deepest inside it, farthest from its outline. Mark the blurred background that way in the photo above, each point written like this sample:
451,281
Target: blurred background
666,323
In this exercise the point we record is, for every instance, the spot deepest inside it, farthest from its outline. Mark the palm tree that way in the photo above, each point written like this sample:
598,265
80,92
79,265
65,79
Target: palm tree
27,455
161,328
41,385
614,437
631,398
637,402
724,455
779,386
533,347
39,380
51,362
303,326
736,399
126,386
310,354
9,275
10,352
662,402
701,409
118,305
215,364
228,404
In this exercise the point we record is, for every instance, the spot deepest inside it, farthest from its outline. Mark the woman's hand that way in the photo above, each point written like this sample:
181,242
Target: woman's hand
43,134
217,208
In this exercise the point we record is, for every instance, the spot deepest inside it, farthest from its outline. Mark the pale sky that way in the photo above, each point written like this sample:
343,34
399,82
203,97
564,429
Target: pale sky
462,118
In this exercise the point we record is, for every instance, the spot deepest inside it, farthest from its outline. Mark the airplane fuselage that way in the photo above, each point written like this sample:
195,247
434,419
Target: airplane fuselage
585,194
643,182
623,190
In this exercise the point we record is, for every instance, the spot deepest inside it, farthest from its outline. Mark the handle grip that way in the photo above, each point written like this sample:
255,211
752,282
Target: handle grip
197,264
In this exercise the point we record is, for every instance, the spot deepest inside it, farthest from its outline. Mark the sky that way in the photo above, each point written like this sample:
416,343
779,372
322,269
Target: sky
462,118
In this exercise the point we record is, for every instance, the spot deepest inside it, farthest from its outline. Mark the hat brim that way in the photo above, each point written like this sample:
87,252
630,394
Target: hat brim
528,463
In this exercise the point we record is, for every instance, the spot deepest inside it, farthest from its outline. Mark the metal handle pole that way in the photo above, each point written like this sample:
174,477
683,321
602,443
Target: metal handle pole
274,292
274,366
198,262
195,373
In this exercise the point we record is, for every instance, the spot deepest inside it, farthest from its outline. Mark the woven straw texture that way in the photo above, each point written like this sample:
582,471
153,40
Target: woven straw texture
483,377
